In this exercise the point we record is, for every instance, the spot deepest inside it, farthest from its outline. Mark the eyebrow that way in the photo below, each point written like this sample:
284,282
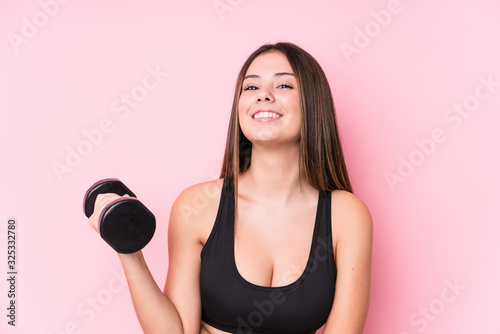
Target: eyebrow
255,76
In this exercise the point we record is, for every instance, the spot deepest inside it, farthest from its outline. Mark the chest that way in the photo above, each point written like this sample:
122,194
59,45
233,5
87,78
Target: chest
279,279
272,243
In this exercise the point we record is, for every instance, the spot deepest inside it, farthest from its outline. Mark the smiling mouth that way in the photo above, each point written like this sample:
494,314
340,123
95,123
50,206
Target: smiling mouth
266,114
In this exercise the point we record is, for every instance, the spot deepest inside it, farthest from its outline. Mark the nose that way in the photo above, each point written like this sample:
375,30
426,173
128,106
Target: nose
265,96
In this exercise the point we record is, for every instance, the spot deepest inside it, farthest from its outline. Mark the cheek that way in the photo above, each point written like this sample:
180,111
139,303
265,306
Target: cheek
241,116
243,107
295,103
292,105
290,101
243,103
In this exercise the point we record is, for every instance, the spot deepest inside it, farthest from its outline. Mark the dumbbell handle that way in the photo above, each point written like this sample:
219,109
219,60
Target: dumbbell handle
102,187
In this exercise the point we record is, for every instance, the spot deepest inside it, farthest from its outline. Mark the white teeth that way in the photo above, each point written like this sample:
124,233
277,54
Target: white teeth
266,114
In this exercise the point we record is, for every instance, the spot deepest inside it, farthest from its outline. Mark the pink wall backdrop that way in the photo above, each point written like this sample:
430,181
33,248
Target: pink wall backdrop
141,90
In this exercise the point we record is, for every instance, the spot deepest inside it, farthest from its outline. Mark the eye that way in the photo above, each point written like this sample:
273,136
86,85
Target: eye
284,86
250,87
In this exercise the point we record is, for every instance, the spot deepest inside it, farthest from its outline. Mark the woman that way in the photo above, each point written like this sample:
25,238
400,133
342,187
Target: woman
293,249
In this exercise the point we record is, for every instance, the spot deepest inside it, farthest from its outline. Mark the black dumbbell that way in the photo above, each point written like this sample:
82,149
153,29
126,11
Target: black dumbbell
125,223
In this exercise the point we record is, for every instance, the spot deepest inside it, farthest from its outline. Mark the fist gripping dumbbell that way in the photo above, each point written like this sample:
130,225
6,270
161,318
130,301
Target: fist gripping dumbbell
125,223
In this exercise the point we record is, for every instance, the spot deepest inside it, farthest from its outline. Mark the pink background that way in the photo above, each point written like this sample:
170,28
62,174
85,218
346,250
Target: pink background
395,76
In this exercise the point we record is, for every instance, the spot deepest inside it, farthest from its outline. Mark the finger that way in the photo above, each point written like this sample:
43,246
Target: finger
93,222
101,201
104,199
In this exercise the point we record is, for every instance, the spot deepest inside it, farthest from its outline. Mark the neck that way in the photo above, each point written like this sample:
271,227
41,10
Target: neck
274,174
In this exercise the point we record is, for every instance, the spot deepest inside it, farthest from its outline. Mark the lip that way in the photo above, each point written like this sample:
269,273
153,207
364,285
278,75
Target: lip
264,110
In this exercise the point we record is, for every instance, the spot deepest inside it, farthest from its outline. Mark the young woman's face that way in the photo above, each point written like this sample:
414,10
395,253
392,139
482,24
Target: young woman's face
269,106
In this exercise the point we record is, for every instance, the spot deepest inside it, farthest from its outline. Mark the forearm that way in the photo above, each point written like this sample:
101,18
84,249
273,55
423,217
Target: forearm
156,313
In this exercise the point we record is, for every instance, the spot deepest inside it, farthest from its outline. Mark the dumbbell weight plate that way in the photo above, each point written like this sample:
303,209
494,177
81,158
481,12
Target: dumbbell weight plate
127,225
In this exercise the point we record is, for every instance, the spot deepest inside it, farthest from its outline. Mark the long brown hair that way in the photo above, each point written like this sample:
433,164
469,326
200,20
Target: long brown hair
321,158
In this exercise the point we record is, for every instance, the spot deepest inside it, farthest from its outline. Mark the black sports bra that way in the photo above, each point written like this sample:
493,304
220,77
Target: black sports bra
234,305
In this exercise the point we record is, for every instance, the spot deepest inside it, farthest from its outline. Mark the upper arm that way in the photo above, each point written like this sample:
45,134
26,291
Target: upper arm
187,231
353,233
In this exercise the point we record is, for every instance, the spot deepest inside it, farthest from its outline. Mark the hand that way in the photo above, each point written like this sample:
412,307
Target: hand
101,201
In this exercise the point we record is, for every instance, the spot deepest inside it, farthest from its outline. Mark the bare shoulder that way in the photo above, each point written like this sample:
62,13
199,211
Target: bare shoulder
352,238
191,220
350,215
196,207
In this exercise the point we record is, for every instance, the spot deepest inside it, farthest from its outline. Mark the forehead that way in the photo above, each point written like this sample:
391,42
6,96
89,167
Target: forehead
269,63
